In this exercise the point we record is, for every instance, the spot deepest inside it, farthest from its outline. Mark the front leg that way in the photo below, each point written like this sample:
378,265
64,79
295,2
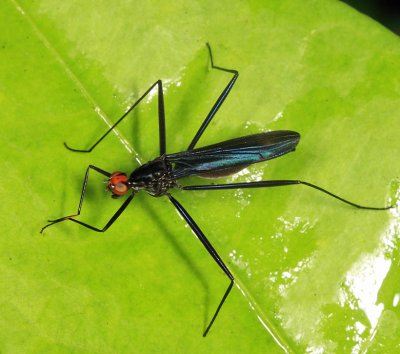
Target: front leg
71,217
109,223
161,120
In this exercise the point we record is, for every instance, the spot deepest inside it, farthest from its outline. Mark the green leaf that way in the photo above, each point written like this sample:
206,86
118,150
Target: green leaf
313,274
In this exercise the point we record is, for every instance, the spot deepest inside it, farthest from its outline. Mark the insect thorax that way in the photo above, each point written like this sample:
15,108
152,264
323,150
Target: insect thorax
154,177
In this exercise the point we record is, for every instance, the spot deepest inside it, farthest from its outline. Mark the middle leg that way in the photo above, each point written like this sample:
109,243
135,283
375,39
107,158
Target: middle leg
211,250
219,101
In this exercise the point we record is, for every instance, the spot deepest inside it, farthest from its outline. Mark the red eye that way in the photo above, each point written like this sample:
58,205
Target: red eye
117,183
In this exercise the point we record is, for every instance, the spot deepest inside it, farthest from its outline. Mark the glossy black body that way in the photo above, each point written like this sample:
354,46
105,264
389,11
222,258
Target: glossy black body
217,160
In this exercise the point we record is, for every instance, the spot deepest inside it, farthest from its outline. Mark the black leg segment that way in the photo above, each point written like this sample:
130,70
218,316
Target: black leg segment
278,183
109,223
71,217
161,120
219,101
211,251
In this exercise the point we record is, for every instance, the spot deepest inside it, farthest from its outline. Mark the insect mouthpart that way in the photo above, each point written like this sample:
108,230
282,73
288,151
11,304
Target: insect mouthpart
118,184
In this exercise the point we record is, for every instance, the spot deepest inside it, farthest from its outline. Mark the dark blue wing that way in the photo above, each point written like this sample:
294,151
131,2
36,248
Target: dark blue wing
231,156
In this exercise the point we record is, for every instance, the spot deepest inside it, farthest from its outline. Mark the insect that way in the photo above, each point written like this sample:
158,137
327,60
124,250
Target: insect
159,176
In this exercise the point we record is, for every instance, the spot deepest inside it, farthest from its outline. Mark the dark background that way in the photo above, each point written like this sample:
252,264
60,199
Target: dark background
387,12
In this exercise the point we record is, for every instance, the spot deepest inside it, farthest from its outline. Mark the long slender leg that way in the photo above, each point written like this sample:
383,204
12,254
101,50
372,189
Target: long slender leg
219,101
109,223
70,217
211,251
278,183
161,120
